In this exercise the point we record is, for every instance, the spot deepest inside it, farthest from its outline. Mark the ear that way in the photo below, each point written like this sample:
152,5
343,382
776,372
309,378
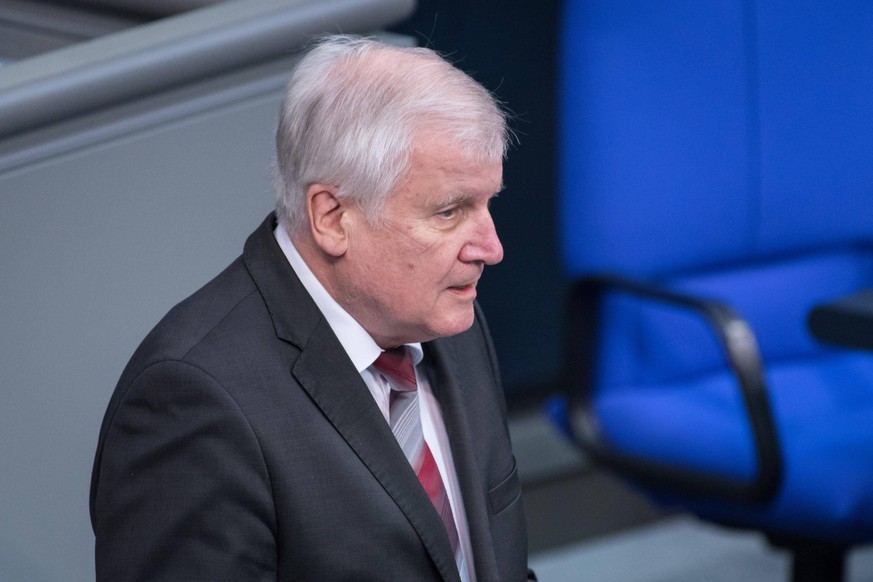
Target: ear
327,219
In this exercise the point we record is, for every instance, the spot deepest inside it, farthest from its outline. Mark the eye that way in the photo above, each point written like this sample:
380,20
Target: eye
448,213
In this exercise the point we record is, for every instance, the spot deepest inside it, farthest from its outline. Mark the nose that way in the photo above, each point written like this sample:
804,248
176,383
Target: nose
484,245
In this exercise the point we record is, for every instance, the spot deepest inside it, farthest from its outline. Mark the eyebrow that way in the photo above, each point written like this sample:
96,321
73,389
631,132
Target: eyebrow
459,198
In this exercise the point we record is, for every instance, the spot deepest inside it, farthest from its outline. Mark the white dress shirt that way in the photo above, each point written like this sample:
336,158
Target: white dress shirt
363,351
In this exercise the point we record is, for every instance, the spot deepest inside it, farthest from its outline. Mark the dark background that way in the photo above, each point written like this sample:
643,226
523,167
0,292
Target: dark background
510,47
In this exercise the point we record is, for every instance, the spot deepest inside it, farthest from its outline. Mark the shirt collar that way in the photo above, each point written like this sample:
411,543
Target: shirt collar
357,343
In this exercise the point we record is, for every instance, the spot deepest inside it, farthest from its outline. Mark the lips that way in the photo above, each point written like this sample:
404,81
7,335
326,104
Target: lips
463,289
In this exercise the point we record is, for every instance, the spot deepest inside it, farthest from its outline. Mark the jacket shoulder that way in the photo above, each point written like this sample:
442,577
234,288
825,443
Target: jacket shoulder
199,315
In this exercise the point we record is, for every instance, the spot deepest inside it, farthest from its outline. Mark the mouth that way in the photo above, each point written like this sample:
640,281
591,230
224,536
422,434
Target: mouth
463,290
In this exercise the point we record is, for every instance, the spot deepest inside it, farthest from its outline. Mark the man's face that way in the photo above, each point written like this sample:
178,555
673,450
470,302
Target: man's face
414,278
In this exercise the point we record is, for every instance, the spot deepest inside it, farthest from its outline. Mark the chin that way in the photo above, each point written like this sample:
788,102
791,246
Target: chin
456,325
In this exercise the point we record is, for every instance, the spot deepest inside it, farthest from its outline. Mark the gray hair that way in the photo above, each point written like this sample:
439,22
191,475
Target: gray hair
351,114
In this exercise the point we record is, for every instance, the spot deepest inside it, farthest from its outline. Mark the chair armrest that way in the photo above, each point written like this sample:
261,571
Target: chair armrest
741,350
846,322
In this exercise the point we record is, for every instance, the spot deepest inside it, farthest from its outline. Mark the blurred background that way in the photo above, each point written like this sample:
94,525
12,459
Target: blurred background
135,157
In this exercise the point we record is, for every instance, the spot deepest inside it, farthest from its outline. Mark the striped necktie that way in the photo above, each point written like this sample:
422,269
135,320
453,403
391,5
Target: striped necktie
395,365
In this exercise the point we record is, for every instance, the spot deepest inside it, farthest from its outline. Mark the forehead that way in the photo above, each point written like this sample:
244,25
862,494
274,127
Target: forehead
442,166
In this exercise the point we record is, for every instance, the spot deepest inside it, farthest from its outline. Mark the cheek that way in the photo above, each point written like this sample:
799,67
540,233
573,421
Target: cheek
421,271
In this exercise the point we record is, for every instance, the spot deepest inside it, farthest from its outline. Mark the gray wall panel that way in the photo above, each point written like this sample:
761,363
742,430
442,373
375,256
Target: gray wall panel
97,245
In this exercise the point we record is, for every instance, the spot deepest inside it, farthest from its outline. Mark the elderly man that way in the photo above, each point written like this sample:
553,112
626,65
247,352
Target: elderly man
329,407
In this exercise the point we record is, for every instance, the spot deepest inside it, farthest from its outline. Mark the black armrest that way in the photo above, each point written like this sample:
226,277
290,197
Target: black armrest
741,351
846,322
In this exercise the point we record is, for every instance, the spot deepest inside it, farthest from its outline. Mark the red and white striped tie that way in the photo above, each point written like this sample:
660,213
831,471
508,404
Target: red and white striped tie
395,365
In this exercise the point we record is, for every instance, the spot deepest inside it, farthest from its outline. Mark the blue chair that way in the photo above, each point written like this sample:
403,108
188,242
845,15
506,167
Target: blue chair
716,183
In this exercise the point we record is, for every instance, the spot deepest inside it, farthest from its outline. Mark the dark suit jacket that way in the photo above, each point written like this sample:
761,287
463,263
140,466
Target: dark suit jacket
242,444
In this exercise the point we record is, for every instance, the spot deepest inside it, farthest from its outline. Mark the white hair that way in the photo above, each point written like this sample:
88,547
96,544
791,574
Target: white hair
354,107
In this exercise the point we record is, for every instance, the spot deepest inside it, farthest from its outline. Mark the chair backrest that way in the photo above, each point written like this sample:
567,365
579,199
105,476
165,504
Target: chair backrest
704,132
720,147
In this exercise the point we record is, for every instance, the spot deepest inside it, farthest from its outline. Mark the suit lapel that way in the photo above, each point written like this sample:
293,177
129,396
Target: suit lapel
340,393
325,372
449,389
